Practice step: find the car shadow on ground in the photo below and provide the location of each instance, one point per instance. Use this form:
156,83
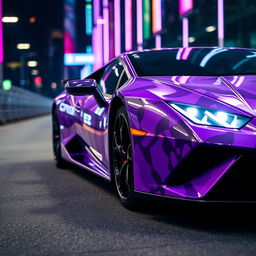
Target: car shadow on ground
235,218
201,216
67,188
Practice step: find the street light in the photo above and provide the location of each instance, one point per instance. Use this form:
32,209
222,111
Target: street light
23,57
34,72
10,19
23,46
32,63
210,28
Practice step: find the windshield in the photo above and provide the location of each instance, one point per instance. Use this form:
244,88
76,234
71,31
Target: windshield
195,62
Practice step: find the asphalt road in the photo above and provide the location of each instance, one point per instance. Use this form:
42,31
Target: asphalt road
49,211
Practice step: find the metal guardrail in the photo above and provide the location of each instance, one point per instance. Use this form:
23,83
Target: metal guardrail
18,103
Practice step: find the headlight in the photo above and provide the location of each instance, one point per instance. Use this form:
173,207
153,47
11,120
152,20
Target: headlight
207,116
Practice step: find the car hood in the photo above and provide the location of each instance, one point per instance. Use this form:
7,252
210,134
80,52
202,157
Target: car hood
238,92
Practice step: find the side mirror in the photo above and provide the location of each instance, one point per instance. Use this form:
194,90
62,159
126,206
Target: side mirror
85,87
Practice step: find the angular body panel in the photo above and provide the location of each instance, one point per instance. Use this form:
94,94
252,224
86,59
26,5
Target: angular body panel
175,153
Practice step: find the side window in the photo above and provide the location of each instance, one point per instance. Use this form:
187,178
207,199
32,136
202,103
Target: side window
110,77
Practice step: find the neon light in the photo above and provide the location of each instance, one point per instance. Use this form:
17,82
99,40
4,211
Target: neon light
69,27
185,31
7,85
77,59
117,27
157,21
97,35
157,16
106,31
146,19
128,25
88,19
185,6
221,23
158,41
1,34
111,30
139,25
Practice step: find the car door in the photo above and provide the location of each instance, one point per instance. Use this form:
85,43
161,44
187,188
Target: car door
94,119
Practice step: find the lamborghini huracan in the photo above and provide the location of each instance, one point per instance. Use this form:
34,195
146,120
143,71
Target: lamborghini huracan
177,123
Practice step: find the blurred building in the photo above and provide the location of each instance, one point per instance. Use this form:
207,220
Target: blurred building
33,46
71,38
109,27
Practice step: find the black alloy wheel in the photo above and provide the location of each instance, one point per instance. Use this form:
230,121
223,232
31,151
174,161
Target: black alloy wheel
56,141
122,159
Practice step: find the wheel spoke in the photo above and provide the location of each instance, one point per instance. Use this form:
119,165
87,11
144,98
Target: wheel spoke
121,126
122,156
122,174
118,137
127,180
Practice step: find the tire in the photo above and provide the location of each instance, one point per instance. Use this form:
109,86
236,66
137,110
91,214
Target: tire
122,160
56,141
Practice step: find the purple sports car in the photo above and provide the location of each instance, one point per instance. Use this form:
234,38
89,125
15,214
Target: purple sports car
177,123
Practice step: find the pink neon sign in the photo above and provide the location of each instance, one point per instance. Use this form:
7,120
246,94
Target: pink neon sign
185,6
106,31
117,27
128,25
1,35
97,36
157,16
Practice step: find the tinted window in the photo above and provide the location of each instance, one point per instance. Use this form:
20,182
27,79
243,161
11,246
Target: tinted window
123,79
195,61
110,77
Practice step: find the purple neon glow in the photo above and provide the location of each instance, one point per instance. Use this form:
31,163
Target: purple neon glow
185,6
117,27
157,16
221,23
97,35
158,41
106,31
1,34
139,25
69,27
185,31
128,25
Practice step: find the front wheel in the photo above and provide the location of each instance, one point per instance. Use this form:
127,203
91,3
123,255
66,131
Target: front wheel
122,159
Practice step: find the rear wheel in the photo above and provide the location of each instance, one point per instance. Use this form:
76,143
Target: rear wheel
122,159
56,141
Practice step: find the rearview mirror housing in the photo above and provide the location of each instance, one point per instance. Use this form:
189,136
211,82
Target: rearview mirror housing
85,87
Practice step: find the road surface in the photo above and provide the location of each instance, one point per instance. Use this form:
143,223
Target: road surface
49,211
